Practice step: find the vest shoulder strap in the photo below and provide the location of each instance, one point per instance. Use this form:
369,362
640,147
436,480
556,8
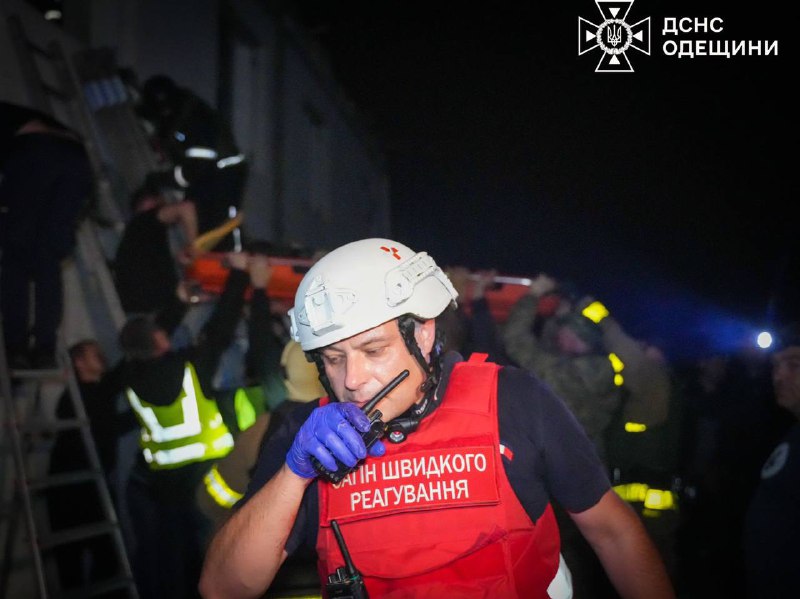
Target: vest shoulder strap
478,357
471,386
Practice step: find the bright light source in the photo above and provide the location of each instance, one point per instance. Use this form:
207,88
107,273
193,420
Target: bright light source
53,15
764,340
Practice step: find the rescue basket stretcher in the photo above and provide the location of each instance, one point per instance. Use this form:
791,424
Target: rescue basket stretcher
210,271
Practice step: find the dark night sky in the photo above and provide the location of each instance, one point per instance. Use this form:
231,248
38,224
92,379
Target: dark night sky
659,191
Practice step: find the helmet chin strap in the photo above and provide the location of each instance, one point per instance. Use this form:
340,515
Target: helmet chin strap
316,355
399,428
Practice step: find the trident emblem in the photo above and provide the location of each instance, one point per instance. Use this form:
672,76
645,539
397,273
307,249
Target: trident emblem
614,34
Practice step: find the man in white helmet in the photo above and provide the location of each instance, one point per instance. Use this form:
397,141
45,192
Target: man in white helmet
455,499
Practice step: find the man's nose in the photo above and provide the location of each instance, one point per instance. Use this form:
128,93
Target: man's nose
356,374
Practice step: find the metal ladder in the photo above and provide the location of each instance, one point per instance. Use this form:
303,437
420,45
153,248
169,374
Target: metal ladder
85,92
29,427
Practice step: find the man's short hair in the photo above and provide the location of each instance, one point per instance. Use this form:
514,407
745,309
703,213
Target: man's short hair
137,338
79,348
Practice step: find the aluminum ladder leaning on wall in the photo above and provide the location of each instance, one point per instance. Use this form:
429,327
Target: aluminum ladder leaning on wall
31,430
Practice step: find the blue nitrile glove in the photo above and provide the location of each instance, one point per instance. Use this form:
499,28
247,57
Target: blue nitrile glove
329,431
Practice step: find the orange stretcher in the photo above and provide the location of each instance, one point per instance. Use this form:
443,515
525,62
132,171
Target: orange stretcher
502,296
209,272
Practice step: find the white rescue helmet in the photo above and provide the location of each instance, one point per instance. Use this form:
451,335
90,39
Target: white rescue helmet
363,284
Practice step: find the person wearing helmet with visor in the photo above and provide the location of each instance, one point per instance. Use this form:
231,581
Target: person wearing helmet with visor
455,499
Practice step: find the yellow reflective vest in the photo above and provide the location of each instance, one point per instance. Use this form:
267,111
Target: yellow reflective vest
249,403
190,429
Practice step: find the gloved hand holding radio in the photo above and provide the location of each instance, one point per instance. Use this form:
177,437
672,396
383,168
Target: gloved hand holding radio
331,431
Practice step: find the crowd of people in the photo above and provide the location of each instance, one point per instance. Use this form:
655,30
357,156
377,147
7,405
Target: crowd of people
554,454
682,440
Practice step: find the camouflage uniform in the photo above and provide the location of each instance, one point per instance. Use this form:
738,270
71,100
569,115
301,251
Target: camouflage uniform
585,383
647,379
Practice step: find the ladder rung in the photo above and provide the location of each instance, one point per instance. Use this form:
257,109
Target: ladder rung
53,426
59,480
31,385
77,533
98,588
38,373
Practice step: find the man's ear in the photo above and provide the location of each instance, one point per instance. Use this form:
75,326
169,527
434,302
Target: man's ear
425,334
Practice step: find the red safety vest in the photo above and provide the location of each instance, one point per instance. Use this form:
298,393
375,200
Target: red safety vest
436,516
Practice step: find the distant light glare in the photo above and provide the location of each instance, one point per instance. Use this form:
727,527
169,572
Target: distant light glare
52,15
764,340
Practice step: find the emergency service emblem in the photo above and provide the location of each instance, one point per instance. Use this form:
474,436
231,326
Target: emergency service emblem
613,36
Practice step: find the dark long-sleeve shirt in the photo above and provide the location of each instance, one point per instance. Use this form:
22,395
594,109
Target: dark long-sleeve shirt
159,382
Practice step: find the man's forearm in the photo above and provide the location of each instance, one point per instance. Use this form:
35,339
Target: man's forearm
623,546
247,551
636,569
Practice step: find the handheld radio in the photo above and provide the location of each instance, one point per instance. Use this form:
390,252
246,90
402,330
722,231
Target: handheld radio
376,431
346,582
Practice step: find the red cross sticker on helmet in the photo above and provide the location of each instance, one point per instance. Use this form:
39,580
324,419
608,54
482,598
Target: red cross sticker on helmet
392,251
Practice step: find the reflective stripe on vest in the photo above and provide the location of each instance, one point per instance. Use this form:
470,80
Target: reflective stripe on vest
201,152
204,153
219,490
230,161
198,432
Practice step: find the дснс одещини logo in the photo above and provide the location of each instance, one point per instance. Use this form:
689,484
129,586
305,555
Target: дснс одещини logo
613,36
